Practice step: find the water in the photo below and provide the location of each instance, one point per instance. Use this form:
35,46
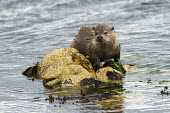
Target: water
29,29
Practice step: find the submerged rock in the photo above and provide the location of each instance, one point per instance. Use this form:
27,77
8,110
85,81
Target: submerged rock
67,67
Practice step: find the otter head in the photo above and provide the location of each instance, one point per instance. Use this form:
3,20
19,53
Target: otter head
104,33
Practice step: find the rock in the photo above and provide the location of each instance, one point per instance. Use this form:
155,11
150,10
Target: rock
107,74
129,67
32,71
62,58
67,67
116,66
69,75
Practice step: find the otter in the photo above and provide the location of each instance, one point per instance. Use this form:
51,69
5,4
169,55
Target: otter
98,42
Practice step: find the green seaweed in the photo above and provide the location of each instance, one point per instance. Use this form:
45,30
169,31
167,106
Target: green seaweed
155,71
128,91
115,65
164,91
149,81
114,92
164,81
159,86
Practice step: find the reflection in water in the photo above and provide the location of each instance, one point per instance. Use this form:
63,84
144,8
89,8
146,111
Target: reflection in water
91,98
114,104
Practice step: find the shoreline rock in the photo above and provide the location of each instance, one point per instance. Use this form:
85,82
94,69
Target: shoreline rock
67,67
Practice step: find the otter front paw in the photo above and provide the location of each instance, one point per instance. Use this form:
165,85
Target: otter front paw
118,60
96,67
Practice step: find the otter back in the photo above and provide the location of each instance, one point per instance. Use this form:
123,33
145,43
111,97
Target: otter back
82,38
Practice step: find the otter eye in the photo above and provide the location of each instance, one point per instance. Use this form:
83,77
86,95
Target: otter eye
105,32
96,33
93,28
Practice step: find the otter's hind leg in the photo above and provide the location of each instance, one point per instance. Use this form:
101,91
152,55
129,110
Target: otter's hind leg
117,58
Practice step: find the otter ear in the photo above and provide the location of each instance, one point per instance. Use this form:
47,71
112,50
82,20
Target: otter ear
93,28
112,28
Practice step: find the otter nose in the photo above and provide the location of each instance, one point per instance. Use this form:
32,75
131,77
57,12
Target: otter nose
99,38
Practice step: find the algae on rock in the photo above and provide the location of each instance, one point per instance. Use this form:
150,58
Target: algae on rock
67,67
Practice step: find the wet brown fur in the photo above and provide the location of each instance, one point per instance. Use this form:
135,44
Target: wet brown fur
86,42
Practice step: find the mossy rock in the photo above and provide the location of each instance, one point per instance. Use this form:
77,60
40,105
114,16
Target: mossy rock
62,58
70,75
115,65
67,67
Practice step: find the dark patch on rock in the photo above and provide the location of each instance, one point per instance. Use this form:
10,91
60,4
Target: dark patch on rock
31,71
114,75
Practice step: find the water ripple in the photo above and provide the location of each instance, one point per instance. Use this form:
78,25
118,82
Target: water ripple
32,28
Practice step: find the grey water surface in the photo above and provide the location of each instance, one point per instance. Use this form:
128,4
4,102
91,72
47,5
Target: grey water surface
29,29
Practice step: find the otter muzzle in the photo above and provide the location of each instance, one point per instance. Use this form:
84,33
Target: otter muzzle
99,38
